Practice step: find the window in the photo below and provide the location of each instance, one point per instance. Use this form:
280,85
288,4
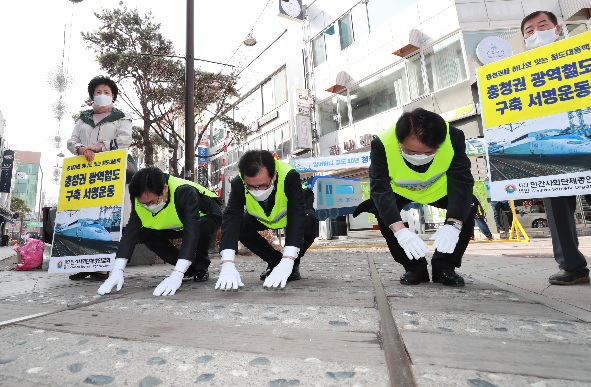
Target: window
382,11
359,18
319,50
274,91
346,31
333,113
444,63
268,97
415,77
329,121
280,81
250,109
387,91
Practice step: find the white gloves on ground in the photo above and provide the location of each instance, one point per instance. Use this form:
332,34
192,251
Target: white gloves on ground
229,277
446,238
170,285
278,277
413,245
115,278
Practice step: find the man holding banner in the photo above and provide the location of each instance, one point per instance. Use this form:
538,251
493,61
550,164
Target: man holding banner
165,208
540,28
422,159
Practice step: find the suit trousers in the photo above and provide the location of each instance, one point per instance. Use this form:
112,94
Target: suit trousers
439,261
560,212
159,242
255,242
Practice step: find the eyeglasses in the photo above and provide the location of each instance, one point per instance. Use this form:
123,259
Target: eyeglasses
258,187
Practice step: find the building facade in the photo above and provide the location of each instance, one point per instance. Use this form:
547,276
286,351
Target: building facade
362,63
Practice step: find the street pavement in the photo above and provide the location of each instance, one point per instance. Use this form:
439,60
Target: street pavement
507,327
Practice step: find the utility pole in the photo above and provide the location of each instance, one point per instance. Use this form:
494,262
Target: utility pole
189,95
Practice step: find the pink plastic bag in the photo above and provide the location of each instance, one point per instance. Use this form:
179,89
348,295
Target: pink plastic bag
32,254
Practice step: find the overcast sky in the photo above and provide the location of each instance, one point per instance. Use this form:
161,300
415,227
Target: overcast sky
32,36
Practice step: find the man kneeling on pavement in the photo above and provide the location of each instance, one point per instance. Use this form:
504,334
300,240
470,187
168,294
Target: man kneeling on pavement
422,159
164,208
272,193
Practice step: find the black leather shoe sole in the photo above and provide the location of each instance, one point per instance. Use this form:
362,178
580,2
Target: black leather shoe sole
448,278
79,276
266,273
201,276
414,277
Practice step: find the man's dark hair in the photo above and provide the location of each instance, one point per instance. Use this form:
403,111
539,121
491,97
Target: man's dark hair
428,127
102,80
150,179
550,15
253,161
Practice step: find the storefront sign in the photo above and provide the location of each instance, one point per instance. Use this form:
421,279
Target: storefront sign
365,140
6,174
349,145
493,48
303,132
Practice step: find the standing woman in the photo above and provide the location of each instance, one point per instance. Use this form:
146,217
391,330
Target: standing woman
100,129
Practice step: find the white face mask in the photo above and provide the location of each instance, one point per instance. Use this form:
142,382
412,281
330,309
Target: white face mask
418,159
155,208
103,100
261,195
541,38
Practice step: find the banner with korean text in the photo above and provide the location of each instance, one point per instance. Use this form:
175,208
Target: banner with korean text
536,110
88,219
331,163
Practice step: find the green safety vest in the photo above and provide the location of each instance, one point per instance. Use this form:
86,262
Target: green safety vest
278,216
168,218
426,187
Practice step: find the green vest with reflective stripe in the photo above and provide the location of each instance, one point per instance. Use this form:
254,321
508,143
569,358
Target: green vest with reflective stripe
425,187
278,216
168,218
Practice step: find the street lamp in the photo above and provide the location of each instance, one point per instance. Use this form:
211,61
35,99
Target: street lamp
189,94
40,193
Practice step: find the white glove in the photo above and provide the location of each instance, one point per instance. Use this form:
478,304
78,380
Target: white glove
413,245
115,278
446,238
170,285
229,277
278,277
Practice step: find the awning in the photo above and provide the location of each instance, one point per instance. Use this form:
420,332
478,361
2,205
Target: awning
341,83
406,44
4,218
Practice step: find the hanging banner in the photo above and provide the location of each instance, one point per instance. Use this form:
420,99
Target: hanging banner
89,211
331,163
6,173
537,118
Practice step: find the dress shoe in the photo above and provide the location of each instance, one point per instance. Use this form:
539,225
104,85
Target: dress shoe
448,278
97,276
414,277
266,273
201,275
564,277
295,274
79,276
